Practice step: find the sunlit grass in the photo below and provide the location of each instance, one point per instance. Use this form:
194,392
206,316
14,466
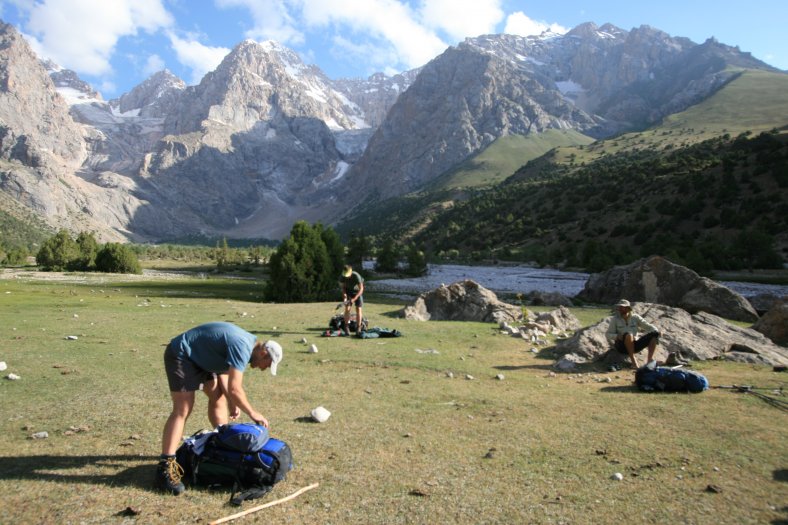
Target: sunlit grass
406,442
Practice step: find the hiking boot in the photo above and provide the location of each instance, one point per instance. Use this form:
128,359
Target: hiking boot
168,476
675,359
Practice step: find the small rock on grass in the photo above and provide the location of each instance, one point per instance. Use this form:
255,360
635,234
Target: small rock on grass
40,435
320,414
618,476
714,489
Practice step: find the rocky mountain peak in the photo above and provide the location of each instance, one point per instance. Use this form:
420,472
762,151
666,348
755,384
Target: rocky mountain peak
34,120
156,93
68,83
260,82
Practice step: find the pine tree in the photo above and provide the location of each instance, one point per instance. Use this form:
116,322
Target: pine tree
388,257
301,269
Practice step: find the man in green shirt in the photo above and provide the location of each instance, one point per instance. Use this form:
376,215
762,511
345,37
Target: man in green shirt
214,356
352,293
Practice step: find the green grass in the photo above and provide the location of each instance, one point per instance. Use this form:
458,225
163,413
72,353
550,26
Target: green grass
405,443
504,156
755,101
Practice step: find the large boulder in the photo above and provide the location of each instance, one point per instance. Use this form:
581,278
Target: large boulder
462,301
561,319
657,280
699,336
763,302
774,324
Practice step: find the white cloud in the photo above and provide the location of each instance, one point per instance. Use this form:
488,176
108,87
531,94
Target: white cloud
519,23
107,86
153,64
386,27
462,18
196,56
82,34
272,21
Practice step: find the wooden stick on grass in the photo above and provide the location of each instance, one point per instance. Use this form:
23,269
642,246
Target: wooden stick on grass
265,505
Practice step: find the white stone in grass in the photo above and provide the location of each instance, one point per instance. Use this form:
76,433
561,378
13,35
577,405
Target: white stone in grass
450,375
40,435
3,366
618,476
469,377
313,348
303,340
72,337
13,377
320,414
499,377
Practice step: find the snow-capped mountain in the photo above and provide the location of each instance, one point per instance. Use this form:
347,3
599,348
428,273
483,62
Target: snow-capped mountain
265,140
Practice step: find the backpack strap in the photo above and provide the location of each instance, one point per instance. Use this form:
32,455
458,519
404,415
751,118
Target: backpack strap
248,494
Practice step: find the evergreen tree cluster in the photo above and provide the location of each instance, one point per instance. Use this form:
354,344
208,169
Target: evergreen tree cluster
61,252
716,205
307,265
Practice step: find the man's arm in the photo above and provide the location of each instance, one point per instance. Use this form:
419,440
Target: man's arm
237,396
360,291
644,326
612,331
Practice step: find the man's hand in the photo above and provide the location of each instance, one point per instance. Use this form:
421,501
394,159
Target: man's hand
235,413
258,418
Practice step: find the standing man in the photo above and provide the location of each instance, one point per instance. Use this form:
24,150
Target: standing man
215,356
623,330
352,293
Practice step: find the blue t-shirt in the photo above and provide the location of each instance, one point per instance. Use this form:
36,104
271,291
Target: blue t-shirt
216,347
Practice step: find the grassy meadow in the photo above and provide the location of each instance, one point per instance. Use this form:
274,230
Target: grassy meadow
405,443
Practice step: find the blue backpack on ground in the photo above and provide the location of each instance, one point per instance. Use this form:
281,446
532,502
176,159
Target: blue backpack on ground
235,456
244,437
652,378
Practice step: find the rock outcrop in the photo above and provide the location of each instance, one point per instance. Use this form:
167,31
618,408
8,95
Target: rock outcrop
774,324
700,336
657,280
462,301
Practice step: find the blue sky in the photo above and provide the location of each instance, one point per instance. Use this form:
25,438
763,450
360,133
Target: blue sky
116,44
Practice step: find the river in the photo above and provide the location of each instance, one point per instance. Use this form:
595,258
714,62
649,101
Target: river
513,279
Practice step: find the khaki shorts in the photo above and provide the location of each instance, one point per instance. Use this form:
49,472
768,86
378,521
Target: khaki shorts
182,374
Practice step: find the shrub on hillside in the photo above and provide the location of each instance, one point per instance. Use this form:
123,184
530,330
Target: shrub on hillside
117,258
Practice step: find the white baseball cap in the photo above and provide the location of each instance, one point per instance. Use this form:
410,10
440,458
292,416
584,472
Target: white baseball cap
274,350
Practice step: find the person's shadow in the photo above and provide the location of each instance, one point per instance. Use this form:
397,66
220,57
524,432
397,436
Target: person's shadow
125,469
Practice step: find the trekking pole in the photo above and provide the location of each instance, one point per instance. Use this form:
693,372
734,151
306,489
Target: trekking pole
749,389
265,505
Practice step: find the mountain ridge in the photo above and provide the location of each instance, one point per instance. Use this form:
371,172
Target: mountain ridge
265,140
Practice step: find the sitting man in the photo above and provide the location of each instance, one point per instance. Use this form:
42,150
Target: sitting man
623,330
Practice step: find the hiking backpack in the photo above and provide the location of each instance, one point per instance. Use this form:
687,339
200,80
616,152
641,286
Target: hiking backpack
240,456
337,322
665,379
